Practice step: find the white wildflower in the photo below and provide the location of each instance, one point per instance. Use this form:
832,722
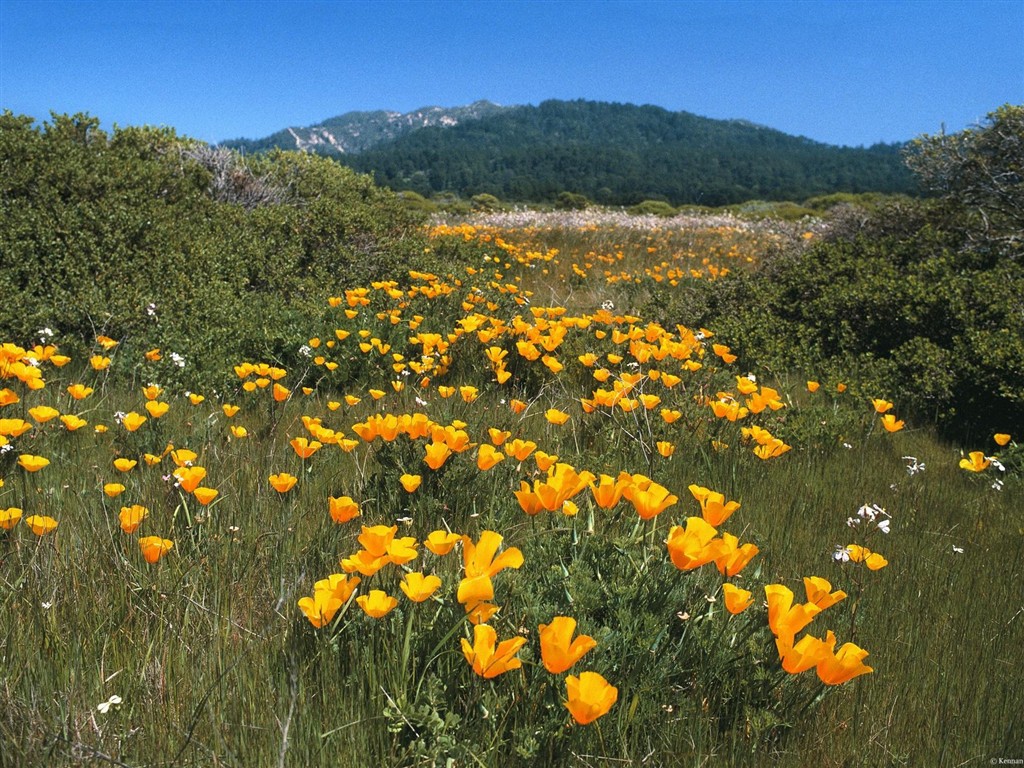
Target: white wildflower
104,707
913,465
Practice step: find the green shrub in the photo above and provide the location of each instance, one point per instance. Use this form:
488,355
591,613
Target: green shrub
144,234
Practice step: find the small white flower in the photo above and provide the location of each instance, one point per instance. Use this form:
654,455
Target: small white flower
958,550
305,350
841,555
177,359
913,465
104,707
996,463
883,525
46,605
119,416
847,446
421,402
151,310
997,485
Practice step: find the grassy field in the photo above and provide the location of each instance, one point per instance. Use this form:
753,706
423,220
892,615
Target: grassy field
204,656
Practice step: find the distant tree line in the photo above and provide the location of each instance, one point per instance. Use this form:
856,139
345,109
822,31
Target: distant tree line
622,154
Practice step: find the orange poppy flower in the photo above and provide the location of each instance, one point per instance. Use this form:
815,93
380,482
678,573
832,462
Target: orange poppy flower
283,482
154,547
589,697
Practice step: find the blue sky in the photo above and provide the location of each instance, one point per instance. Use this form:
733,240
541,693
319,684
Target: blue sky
852,72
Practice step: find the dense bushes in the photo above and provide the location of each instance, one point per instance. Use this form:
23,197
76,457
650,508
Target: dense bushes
141,233
918,302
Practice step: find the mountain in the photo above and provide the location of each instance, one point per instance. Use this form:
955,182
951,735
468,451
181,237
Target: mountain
358,131
614,154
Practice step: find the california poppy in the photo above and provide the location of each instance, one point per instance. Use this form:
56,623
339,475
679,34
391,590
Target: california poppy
557,648
589,696
343,508
488,657
418,587
736,600
131,517
283,482
154,547
377,604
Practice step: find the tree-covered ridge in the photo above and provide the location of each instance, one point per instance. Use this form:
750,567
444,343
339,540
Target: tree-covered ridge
620,154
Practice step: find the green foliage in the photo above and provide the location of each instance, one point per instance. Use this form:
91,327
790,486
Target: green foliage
622,154
979,175
486,203
570,201
652,207
143,234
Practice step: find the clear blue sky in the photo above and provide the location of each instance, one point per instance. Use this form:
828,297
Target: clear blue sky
851,72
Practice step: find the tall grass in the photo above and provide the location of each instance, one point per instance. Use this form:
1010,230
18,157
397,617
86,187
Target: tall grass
214,663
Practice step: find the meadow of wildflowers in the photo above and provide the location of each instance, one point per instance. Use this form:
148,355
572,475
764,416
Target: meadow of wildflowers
497,517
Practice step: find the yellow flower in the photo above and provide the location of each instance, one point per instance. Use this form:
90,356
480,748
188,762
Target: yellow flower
691,548
819,592
589,696
441,542
153,355
205,495
377,604
802,656
557,652
31,463
229,410
608,490
812,386
784,618
9,517
343,509
73,422
891,424
131,517
328,596
713,506
488,456
239,431
113,489
736,600
437,455
1001,438
410,482
881,406
304,448
665,448
154,547
651,500
156,409
977,462
99,362
838,667
40,524
43,413
152,392
132,421
14,427
556,416
418,587
106,342
10,397
189,478
283,482
487,660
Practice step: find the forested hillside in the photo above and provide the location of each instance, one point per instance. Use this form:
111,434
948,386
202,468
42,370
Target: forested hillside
621,154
